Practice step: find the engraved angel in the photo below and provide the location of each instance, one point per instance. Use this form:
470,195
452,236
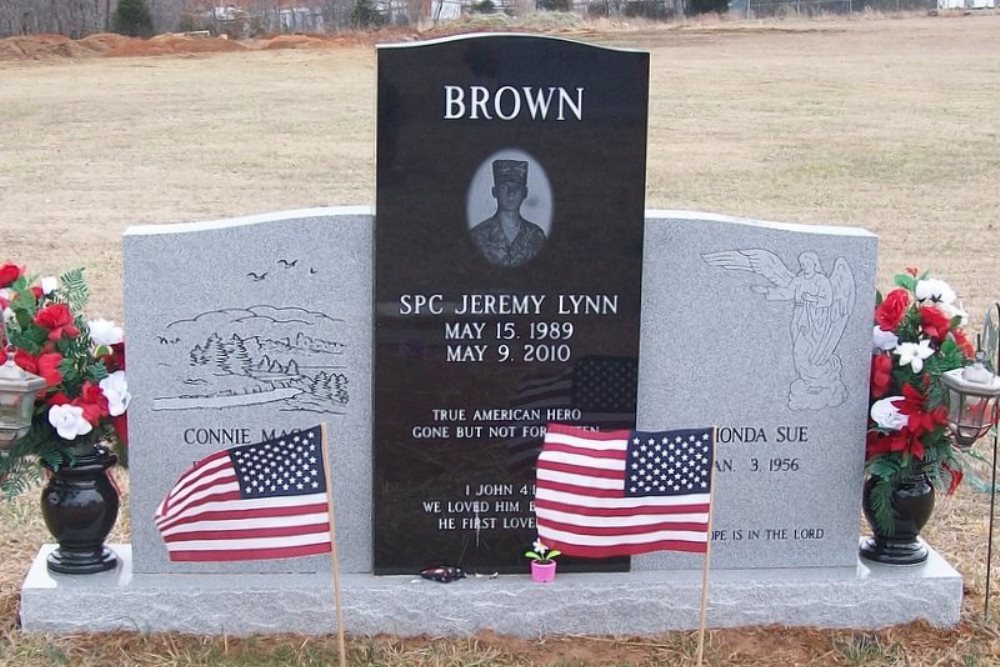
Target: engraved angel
822,305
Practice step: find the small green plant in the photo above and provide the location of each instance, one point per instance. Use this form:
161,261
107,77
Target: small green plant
483,7
133,18
365,15
542,553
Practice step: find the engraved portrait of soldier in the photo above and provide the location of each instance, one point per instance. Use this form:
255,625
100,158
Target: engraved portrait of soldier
507,238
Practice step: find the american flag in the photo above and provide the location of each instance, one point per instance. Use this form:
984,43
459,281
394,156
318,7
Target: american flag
602,388
259,501
623,493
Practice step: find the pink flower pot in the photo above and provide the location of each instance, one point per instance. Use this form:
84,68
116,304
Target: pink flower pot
543,572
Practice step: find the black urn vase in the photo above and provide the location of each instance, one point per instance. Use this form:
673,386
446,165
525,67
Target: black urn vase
912,504
80,507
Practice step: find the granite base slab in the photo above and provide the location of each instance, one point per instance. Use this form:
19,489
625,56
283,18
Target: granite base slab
868,596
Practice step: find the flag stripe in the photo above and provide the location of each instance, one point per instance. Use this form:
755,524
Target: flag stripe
609,501
275,531
645,530
252,542
587,482
543,502
646,518
217,480
613,472
626,549
197,470
230,521
232,505
575,538
582,456
171,514
216,555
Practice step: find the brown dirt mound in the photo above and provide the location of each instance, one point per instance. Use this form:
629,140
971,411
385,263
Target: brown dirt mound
297,42
38,47
165,45
103,42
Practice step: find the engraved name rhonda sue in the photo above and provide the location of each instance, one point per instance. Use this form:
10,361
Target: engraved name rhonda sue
822,303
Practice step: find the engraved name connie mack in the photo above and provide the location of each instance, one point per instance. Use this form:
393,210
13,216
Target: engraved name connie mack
510,102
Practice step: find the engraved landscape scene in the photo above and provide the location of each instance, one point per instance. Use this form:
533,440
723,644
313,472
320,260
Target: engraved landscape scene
223,360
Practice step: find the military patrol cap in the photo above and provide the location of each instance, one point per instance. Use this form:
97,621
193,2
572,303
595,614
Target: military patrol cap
510,171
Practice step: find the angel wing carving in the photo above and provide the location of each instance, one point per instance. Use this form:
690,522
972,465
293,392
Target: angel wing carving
762,262
822,306
842,283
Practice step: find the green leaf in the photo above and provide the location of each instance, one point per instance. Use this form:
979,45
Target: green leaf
878,298
97,372
906,281
532,555
552,554
75,289
880,498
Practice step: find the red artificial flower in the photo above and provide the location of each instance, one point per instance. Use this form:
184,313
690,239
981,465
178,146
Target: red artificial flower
45,365
58,398
890,312
93,402
934,323
115,360
912,270
26,361
881,378
120,424
964,344
48,367
58,319
9,273
920,421
897,442
956,477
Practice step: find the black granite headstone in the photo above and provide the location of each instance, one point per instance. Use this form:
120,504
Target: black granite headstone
508,259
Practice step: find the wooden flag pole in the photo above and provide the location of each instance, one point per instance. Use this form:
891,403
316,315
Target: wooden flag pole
708,552
333,548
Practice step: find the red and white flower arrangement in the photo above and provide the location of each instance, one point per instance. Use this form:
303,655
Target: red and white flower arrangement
82,362
917,337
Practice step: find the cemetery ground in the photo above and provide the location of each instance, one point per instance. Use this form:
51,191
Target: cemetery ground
889,124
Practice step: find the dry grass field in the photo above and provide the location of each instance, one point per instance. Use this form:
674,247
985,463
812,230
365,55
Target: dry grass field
892,124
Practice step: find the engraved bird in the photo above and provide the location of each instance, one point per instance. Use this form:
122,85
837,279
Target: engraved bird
288,264
313,271
257,277
163,341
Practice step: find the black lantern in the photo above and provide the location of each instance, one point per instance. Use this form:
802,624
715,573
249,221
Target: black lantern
17,401
973,392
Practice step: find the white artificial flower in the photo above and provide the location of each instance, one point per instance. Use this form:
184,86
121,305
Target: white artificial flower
115,389
913,355
540,548
104,332
68,421
8,315
936,290
49,284
6,293
887,415
884,340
